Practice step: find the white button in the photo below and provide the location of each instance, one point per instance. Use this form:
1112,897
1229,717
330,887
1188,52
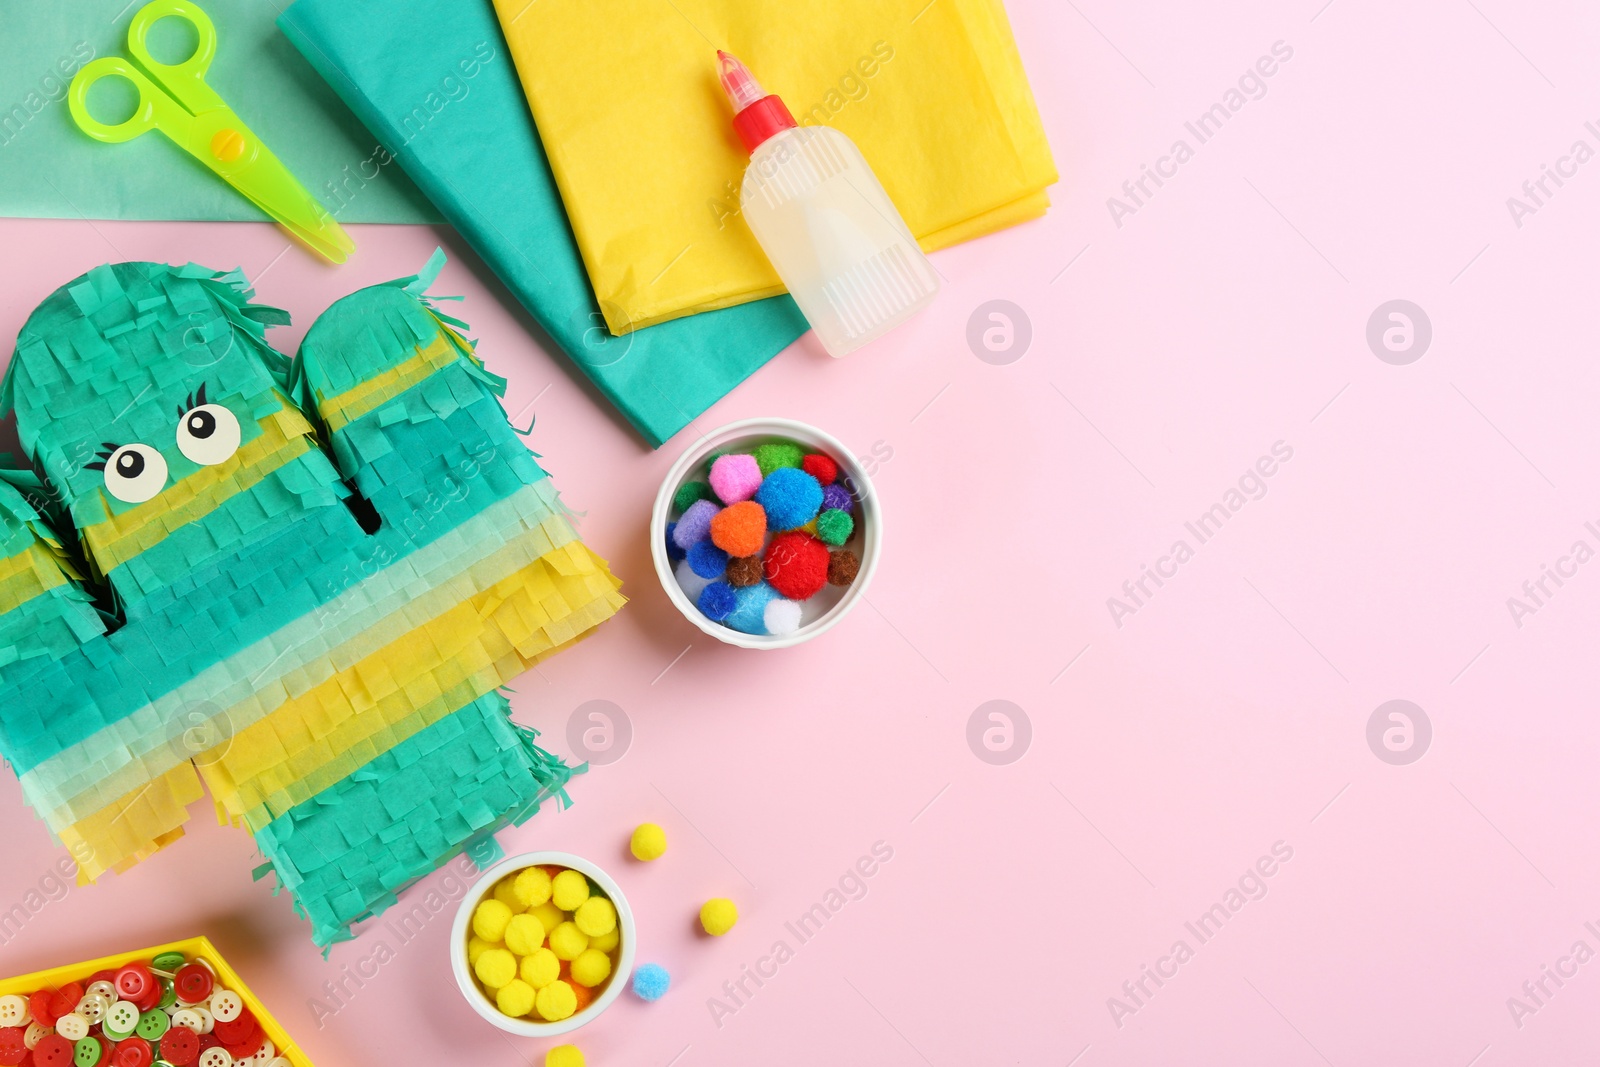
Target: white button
73,1027
208,1021
35,1034
121,1018
226,1005
93,1007
216,1056
189,1019
14,1011
105,989
266,1053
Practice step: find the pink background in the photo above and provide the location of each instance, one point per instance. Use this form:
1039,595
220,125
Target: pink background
1227,714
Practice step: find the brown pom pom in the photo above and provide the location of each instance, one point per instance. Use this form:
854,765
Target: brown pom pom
842,567
744,570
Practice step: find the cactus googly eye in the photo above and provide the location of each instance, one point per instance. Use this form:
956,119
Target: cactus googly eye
133,473
208,434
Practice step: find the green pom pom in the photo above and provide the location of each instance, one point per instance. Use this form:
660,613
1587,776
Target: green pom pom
834,526
770,457
689,492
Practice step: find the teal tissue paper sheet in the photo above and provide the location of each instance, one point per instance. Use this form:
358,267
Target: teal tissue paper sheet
53,170
435,83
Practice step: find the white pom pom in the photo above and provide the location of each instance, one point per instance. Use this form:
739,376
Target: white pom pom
690,582
781,616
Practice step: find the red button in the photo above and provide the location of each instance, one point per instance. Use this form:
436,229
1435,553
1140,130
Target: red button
53,1050
102,976
151,998
132,1052
64,1001
39,1007
134,982
12,1046
180,1047
194,983
246,1049
238,1030
209,1041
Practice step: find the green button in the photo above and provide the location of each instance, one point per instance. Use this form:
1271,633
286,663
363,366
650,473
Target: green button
86,1053
152,1024
169,962
169,994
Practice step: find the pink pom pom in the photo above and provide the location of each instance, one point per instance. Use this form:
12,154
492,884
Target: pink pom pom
735,478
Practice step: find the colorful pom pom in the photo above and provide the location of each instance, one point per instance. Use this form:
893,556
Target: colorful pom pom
843,567
569,889
791,498
674,553
649,842
740,529
591,967
515,998
820,467
707,560
524,933
782,616
749,614
743,571
776,455
694,525
688,493
834,527
717,601
539,968
690,582
606,942
556,1001
549,915
533,886
651,981
718,915
490,919
564,1056
567,941
594,917
796,564
495,967
735,478
837,496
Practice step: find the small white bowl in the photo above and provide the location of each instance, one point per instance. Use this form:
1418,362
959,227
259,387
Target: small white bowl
460,931
823,611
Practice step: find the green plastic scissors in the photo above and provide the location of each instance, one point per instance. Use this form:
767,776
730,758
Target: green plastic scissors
175,99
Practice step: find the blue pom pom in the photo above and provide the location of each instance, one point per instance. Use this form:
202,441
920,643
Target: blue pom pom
790,497
749,616
674,553
717,601
707,560
650,982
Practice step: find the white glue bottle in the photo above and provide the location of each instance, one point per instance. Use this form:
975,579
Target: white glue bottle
824,221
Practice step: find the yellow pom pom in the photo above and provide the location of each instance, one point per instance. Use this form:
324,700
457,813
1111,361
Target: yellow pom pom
606,942
591,967
649,841
505,891
718,915
564,1056
532,887
495,967
569,889
549,916
515,998
524,933
489,920
556,1001
540,967
567,941
595,916
477,946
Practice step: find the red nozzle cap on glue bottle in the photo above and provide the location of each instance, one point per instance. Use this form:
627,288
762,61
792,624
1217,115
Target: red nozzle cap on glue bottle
757,115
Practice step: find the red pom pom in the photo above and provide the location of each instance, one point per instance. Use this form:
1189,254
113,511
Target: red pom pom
796,564
820,467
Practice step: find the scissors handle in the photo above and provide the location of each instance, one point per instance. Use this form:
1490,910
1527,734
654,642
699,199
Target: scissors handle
154,108
185,79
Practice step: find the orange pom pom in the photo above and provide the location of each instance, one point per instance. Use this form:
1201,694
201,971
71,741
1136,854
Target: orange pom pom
739,529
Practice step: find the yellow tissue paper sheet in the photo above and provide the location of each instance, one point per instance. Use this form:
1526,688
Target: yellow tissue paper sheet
640,134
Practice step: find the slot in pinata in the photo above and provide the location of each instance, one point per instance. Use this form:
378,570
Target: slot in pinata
303,582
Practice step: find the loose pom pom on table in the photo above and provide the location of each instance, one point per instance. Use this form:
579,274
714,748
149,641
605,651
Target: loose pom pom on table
694,525
743,571
749,614
651,981
735,478
837,496
688,493
820,467
796,564
782,616
843,567
717,601
690,582
791,498
718,915
834,527
707,560
649,842
564,1056
740,529
778,454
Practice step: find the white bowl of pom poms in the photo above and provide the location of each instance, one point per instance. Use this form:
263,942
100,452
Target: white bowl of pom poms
765,533
550,939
